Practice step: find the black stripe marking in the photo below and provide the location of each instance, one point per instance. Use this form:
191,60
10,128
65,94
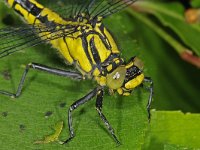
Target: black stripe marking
35,11
95,52
31,8
68,48
85,47
19,13
102,28
103,38
14,3
132,73
105,41
43,19
115,65
110,59
27,5
13,6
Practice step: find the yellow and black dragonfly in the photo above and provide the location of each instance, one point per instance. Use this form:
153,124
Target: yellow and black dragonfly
82,40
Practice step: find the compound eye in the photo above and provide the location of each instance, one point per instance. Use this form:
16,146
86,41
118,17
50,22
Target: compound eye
116,79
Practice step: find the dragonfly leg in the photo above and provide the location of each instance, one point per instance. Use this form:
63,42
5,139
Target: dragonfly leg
41,67
99,104
150,88
74,106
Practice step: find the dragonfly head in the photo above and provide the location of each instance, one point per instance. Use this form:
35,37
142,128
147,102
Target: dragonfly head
126,77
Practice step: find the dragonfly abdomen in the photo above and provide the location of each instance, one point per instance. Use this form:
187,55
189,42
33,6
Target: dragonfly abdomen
33,12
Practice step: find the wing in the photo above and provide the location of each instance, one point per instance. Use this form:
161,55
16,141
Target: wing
94,8
15,39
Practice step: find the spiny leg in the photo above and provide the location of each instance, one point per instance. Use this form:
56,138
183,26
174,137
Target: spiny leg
150,88
75,105
99,104
40,67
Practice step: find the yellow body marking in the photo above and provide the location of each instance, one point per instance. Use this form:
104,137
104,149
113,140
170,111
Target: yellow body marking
77,52
96,72
135,82
120,91
102,50
101,80
129,65
126,94
61,46
72,48
109,68
10,2
36,3
27,16
89,37
112,42
53,16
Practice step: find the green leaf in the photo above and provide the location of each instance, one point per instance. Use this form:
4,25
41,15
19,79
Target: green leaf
176,147
174,128
28,118
195,3
53,137
172,15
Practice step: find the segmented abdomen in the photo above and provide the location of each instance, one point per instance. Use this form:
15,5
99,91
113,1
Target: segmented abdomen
33,12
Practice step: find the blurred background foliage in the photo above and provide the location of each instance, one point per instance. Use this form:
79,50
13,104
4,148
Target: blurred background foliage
165,34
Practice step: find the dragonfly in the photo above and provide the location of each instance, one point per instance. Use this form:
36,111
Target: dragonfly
80,37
